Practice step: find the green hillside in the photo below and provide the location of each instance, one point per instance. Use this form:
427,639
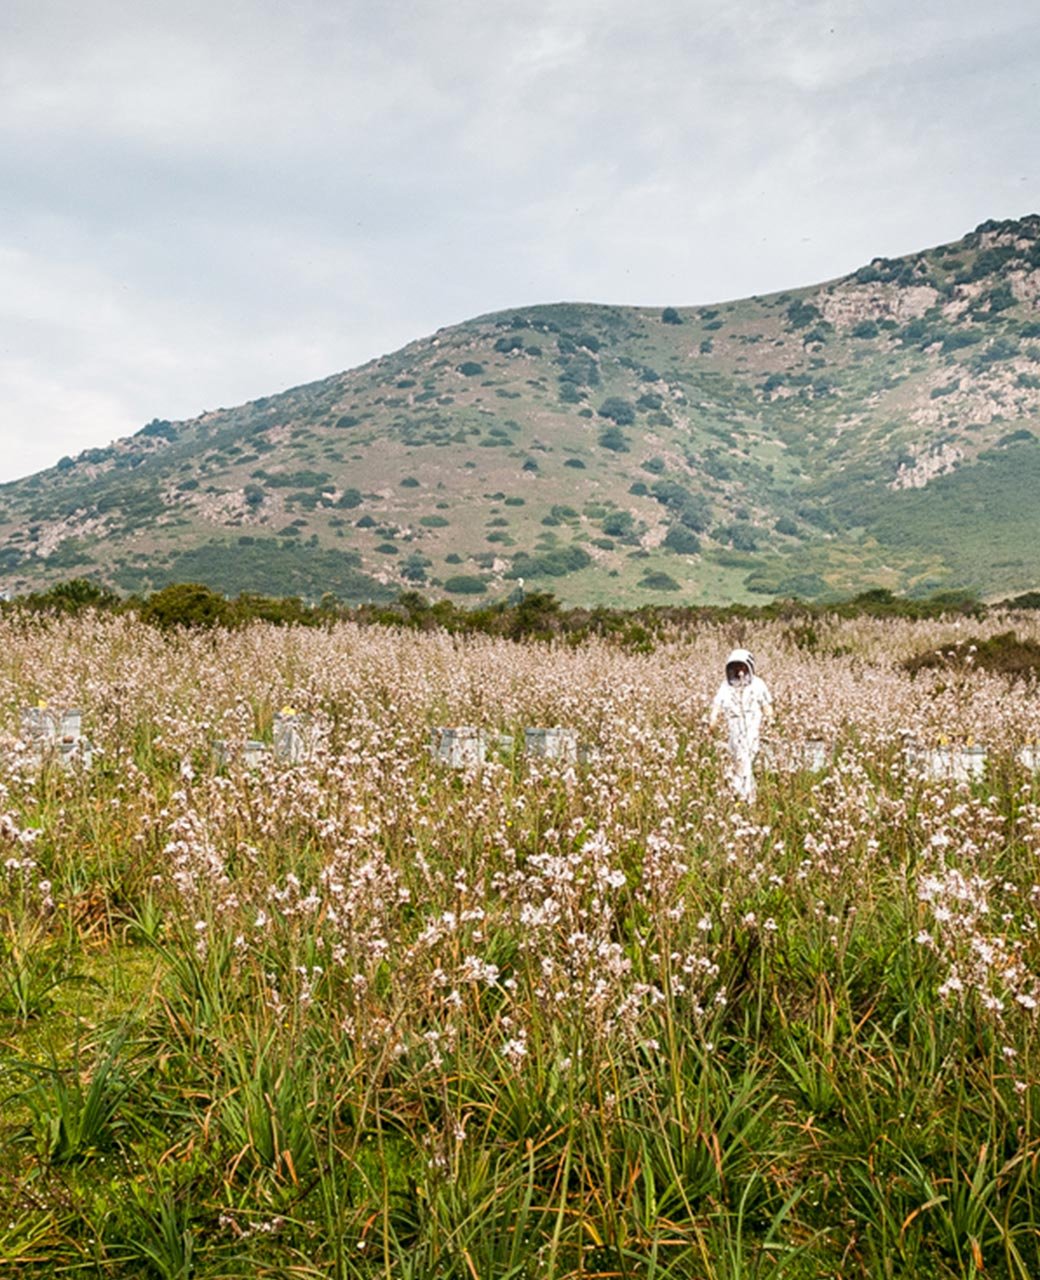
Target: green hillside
877,430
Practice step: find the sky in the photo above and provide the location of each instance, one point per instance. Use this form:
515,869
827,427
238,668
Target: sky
207,201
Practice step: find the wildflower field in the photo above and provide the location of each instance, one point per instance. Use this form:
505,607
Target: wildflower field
365,1015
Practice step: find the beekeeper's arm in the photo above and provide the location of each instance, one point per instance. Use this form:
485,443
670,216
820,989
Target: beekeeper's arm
716,710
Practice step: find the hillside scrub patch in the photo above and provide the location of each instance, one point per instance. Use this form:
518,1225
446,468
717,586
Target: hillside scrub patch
465,584
619,410
801,315
656,580
615,440
681,540
551,563
739,534
619,524
293,479
1003,654
692,510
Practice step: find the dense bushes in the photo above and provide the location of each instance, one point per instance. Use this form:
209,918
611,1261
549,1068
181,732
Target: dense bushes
1004,654
691,509
552,564
614,439
682,540
801,315
195,605
465,584
619,410
74,596
187,604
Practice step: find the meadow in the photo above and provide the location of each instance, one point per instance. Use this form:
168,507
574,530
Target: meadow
364,1015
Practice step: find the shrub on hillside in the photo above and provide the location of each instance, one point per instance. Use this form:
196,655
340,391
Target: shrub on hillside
186,604
554,563
614,439
619,410
682,541
618,524
160,429
740,535
657,581
801,315
692,509
465,584
414,568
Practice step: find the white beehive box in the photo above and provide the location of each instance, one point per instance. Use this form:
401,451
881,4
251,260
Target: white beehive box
48,726
458,746
252,753
294,737
55,733
552,744
810,756
1029,757
947,763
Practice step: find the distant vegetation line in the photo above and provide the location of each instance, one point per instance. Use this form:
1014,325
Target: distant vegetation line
535,615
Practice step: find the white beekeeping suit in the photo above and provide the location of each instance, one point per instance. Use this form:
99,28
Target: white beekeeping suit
745,702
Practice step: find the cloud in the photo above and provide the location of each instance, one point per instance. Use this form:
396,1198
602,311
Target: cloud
205,203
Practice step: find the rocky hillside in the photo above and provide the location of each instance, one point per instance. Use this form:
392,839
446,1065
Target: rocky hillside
877,430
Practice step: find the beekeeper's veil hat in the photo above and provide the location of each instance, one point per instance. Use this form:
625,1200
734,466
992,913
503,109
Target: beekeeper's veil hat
737,659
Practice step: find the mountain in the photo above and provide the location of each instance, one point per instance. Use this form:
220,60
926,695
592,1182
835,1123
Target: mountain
877,430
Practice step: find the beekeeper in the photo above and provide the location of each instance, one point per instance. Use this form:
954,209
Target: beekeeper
745,702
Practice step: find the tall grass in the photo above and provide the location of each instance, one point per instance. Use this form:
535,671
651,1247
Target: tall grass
364,1016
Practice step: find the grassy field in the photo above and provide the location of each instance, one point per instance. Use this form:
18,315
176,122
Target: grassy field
363,1015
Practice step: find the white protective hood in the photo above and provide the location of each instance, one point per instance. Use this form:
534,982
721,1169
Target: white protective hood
744,656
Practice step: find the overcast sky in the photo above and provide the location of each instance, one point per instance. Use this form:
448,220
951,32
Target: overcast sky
206,201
